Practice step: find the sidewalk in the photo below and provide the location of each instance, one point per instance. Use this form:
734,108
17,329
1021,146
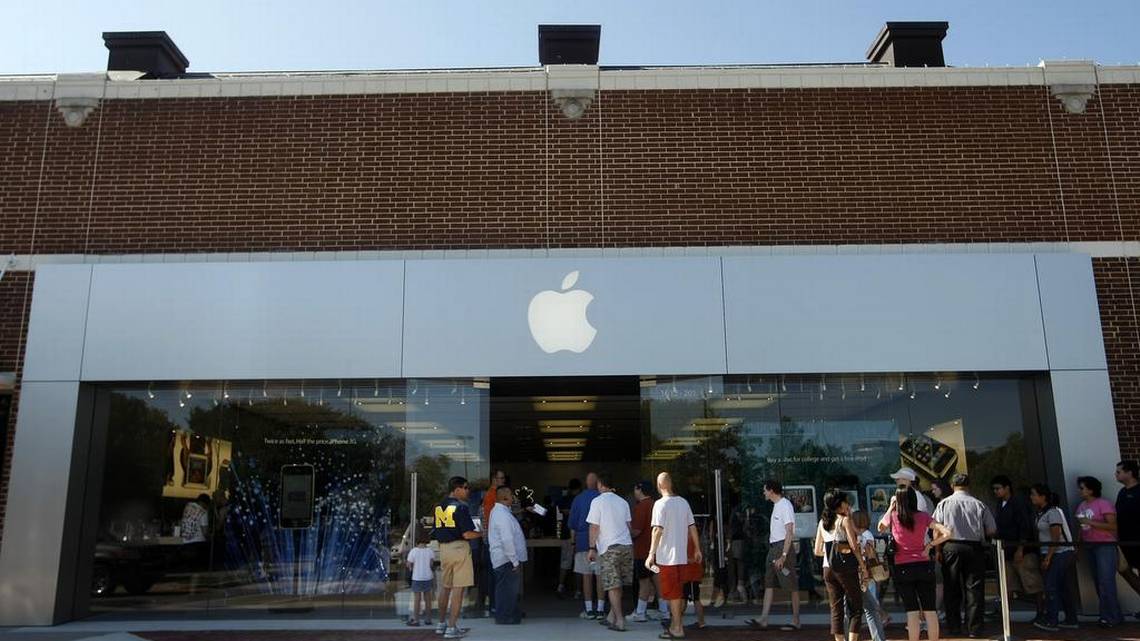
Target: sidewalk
547,629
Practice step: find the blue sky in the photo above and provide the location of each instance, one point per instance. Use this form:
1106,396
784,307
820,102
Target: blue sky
255,35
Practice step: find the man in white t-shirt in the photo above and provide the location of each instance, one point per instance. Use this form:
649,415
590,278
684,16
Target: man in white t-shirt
673,529
610,542
908,477
780,571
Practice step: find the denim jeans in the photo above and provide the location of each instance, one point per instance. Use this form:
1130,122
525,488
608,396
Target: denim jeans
871,612
507,594
1103,558
1057,594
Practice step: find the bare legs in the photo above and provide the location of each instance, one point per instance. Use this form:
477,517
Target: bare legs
913,620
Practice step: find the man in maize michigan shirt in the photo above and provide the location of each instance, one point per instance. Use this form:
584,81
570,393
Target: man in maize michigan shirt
453,529
673,528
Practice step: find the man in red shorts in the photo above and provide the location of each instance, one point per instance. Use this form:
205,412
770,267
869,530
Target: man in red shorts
673,530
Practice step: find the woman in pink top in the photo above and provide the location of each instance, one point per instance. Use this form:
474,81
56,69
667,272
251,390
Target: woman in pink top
1098,526
914,572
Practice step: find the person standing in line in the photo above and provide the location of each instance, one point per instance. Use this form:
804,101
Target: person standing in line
873,611
419,562
914,571
939,490
1098,526
964,555
580,533
846,567
641,530
1014,519
906,476
484,574
692,576
1128,521
612,547
780,569
454,529
507,546
674,528
1057,561
566,547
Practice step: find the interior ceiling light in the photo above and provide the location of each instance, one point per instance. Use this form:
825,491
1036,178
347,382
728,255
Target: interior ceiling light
685,441
744,402
381,406
443,443
551,443
416,427
565,426
564,456
711,424
565,403
664,455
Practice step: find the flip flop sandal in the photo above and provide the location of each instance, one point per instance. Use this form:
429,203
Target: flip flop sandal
790,628
615,628
668,635
755,623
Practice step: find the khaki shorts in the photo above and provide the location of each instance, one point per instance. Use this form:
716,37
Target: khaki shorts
455,564
1026,576
785,579
616,566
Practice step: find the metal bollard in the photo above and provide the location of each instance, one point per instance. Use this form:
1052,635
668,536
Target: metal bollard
1003,592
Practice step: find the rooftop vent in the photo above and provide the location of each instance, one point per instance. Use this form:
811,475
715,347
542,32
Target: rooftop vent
152,52
910,44
568,44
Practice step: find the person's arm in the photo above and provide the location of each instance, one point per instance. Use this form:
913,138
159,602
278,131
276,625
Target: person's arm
885,522
1107,525
789,534
941,535
818,547
1055,535
695,537
593,554
988,522
654,540
853,537
508,535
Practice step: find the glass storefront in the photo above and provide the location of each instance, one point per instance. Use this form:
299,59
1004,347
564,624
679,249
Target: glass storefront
201,482
816,432
195,509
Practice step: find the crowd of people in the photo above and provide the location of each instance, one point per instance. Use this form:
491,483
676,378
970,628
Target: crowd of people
936,555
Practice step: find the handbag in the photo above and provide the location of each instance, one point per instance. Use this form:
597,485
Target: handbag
878,570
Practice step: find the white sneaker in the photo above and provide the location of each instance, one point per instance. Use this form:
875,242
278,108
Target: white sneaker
639,617
454,633
587,614
441,628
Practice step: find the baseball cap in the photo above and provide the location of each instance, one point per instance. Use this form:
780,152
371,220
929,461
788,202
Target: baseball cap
645,486
905,473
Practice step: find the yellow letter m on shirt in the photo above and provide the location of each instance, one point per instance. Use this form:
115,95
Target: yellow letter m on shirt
445,517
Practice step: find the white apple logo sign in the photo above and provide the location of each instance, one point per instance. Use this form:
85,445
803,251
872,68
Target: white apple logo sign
558,320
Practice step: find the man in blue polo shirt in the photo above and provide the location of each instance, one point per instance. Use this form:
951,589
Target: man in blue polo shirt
580,533
453,530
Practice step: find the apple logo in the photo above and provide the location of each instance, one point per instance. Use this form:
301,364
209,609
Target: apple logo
558,320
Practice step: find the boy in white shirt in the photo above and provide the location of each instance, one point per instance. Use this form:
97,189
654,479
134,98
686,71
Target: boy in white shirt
419,563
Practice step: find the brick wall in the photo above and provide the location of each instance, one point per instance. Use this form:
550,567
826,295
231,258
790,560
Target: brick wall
641,168
1122,343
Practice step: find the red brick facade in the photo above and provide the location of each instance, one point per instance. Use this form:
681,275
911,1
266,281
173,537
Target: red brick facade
641,168
1122,343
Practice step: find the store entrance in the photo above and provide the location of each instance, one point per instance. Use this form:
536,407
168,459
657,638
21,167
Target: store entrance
544,434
